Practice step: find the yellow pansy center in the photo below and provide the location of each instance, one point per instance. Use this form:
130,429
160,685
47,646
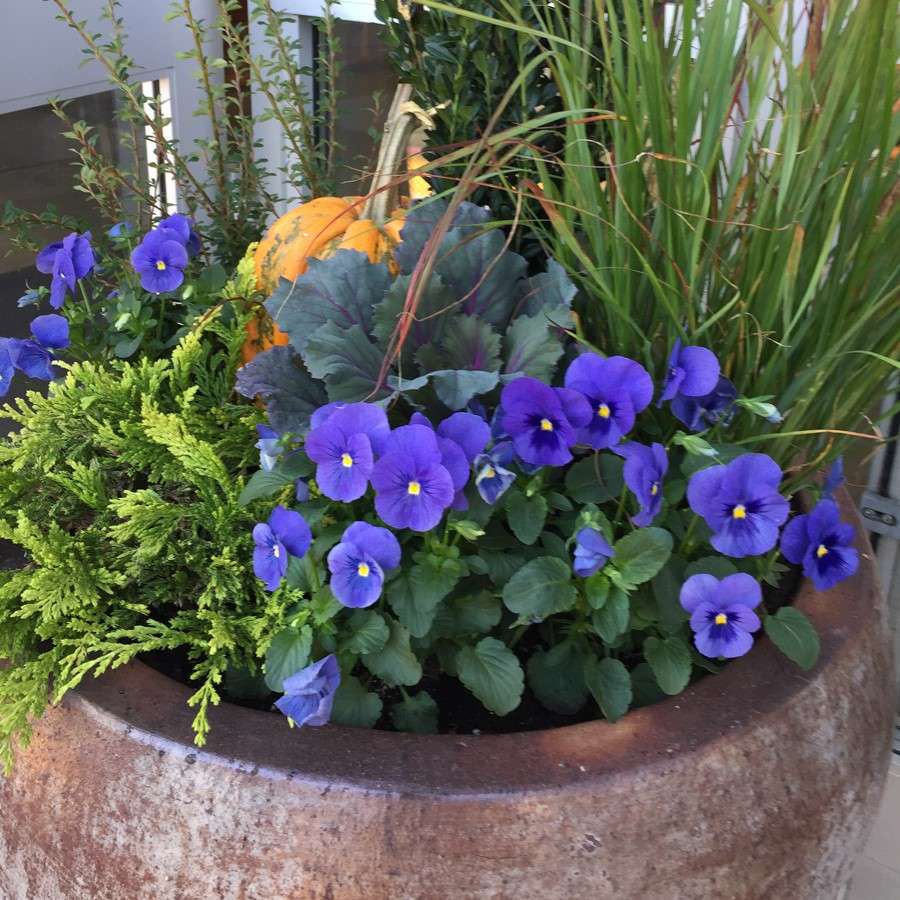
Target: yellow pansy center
721,619
276,551
489,472
821,550
740,511
160,265
603,411
546,425
363,570
414,488
654,489
346,460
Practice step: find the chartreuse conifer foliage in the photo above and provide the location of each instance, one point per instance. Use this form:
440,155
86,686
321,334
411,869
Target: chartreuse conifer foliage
120,487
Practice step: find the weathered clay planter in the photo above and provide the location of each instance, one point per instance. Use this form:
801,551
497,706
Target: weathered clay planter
758,783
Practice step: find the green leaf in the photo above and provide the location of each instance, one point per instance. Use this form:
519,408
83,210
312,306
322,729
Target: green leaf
555,677
367,632
595,479
347,361
415,597
354,705
471,344
596,589
794,635
526,515
324,605
395,663
287,654
418,714
667,592
278,377
641,554
532,348
710,565
670,660
456,387
341,290
610,685
435,309
611,619
501,565
285,472
645,686
540,588
491,671
476,614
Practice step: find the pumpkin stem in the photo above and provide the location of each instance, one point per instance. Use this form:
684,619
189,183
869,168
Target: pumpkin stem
384,197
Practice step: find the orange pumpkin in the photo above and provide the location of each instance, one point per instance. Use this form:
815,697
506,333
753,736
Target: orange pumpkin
320,227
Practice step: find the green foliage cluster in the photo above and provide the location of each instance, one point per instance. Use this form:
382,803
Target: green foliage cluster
122,485
741,195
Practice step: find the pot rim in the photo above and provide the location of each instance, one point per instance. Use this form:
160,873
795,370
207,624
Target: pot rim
151,708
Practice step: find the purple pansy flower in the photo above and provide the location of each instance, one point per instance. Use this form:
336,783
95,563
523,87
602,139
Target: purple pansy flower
834,478
358,563
301,490
492,478
309,693
542,421
592,552
68,261
160,261
823,544
645,468
722,615
7,368
51,331
33,356
181,228
285,533
700,413
741,504
412,487
269,447
617,388
460,437
691,372
345,446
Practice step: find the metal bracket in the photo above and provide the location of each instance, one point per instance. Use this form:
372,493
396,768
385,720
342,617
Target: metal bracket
881,514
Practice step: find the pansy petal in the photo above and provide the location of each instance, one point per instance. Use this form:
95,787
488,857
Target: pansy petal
575,407
795,539
291,529
471,432
698,589
742,589
704,494
701,371
743,617
356,578
47,257
269,565
52,331
379,543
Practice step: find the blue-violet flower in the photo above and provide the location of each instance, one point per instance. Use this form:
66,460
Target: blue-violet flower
68,261
592,552
309,693
492,477
617,389
412,487
285,533
700,413
645,468
740,503
542,421
691,372
358,563
823,544
160,260
722,615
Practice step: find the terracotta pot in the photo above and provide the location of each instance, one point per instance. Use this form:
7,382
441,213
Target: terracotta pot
758,783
